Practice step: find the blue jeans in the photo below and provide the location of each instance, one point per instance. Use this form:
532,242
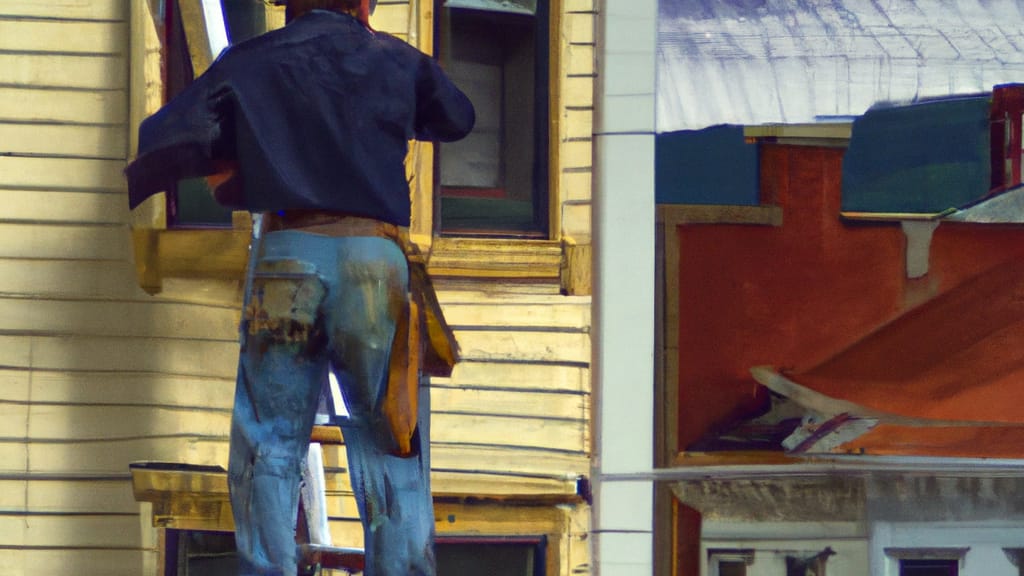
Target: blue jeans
317,302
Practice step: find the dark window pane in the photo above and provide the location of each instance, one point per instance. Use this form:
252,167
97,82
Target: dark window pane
732,568
495,180
492,559
929,567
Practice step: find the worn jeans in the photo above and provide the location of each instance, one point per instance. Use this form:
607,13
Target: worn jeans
320,303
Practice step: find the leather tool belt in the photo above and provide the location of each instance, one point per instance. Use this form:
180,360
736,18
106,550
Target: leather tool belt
423,344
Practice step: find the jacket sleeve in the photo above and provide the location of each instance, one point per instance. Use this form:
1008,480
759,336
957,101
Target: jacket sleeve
181,140
443,112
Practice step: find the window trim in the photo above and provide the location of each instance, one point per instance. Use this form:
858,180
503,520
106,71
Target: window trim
159,251
545,164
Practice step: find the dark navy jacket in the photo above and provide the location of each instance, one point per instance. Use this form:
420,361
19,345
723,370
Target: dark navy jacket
317,115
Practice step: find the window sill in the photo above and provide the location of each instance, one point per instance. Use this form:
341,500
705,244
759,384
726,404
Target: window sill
221,254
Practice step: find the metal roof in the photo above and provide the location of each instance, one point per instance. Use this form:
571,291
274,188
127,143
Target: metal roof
787,61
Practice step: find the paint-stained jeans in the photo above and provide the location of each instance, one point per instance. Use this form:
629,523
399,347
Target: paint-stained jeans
320,301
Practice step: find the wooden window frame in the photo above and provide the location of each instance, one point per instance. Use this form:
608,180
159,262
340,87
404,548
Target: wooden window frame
220,254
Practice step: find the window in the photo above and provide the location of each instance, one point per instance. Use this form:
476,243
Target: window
729,562
929,567
195,31
926,561
508,556
495,181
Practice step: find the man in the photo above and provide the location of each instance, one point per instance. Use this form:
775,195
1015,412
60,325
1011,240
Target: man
311,124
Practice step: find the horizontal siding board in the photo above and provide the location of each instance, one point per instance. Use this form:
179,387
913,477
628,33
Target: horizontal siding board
14,562
77,9
577,186
72,106
109,142
67,496
580,27
83,278
485,375
498,485
562,435
515,346
13,420
105,531
578,91
84,423
575,317
505,403
67,241
114,456
153,319
60,174
64,71
579,59
63,36
15,385
579,123
515,461
122,388
80,496
95,353
67,207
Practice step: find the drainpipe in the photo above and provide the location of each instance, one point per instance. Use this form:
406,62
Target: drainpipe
623,341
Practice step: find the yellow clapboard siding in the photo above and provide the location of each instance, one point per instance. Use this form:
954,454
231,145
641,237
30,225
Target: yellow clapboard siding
56,422
527,376
153,319
78,496
391,18
579,27
498,485
577,186
63,71
15,385
465,460
346,532
63,36
95,562
20,172
577,153
75,106
579,59
121,388
512,460
13,420
67,496
475,483
565,435
109,142
114,456
64,241
76,531
570,6
567,316
77,9
83,278
579,123
69,207
164,355
520,346
503,403
578,91
576,221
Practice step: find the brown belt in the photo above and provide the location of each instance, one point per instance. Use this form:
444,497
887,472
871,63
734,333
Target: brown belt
329,223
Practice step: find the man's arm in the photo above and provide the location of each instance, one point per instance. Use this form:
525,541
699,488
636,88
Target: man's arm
443,112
